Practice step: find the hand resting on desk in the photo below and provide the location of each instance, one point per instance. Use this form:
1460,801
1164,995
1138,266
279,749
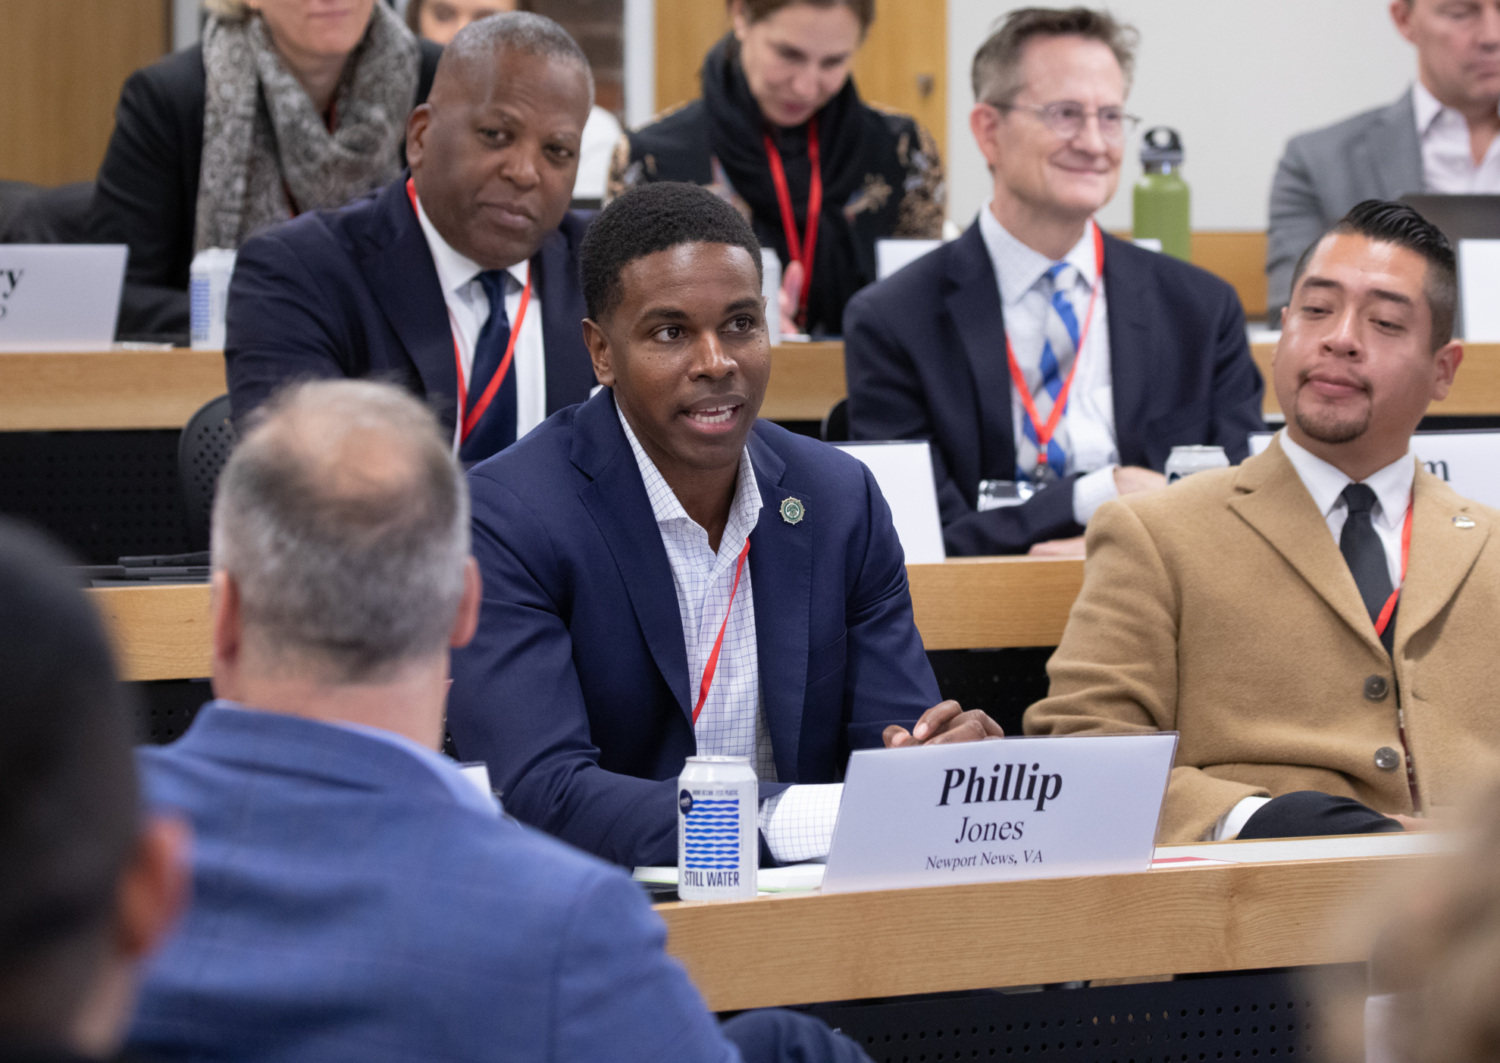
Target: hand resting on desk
944,722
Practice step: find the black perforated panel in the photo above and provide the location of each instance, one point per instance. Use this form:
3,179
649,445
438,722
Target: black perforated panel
1001,682
167,707
1263,1017
207,439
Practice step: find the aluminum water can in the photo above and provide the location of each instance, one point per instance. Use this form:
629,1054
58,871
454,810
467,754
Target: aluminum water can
1184,461
208,296
718,841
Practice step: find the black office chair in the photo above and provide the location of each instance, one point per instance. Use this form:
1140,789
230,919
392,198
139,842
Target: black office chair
202,450
836,425
51,216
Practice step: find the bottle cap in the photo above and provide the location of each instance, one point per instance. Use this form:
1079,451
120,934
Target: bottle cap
1161,145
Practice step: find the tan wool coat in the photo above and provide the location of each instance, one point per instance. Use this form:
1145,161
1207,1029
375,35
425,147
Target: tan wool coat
1221,608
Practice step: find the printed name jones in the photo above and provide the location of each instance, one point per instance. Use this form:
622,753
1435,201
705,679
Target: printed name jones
1006,783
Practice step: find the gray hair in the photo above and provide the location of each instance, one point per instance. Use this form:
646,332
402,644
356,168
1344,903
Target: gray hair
517,31
344,519
996,73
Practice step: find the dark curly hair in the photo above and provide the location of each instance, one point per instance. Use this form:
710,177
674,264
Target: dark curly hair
650,218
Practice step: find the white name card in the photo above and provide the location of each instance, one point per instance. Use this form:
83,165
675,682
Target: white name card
60,296
1008,809
1478,283
1467,461
893,255
903,472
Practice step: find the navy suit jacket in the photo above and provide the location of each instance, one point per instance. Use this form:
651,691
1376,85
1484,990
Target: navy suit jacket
576,688
924,352
353,292
347,907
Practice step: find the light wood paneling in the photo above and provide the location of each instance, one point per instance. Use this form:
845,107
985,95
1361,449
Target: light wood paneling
62,63
1240,259
806,380
778,951
158,632
685,31
106,389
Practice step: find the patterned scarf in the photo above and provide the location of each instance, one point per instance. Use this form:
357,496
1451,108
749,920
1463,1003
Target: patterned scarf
263,140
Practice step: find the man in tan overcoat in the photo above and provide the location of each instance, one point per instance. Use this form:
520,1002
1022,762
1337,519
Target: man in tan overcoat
1270,613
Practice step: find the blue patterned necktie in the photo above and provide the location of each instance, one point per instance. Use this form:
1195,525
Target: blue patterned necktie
496,430
1059,351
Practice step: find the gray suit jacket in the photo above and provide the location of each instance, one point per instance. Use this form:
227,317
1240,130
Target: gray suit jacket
1374,155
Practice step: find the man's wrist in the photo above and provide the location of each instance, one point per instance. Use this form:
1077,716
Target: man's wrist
1092,490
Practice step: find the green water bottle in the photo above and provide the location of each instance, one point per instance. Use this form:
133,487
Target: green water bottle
1162,200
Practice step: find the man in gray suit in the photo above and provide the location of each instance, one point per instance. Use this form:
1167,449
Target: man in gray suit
1442,135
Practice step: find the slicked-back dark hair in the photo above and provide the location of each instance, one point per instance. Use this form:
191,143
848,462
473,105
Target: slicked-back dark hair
69,810
650,218
996,71
1390,222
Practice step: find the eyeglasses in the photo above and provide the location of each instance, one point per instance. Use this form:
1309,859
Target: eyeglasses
1066,119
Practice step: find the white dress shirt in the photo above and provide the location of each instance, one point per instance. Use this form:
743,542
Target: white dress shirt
1392,486
798,822
469,309
1089,421
1447,156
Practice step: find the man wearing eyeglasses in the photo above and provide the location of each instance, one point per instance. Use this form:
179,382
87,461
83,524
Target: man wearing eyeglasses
1051,366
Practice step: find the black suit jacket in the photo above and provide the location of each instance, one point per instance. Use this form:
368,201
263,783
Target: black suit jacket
146,193
924,351
353,292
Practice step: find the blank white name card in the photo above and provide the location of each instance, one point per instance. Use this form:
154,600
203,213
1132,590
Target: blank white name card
1008,809
1479,290
903,472
894,255
60,297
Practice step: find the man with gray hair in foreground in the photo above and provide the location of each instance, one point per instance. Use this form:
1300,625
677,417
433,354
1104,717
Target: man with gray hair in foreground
358,897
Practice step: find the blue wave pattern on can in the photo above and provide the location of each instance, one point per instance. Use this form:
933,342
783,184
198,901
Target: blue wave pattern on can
713,834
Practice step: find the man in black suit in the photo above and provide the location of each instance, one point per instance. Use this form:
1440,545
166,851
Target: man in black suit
1119,353
460,282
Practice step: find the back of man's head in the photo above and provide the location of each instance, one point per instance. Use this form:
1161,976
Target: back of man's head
343,520
69,811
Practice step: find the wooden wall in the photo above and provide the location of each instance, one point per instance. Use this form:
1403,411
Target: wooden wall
62,63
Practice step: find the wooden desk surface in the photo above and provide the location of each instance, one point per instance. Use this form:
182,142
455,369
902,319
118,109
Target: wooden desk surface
1223,917
974,603
63,391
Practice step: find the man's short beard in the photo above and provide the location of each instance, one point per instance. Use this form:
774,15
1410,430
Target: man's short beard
1331,430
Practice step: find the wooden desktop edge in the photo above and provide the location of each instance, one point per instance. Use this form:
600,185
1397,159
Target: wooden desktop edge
799,949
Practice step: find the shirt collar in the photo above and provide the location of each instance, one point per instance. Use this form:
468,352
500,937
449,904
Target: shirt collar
456,270
744,510
1019,267
1392,485
1426,106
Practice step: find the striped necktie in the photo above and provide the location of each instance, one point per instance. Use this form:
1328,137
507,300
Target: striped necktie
1045,379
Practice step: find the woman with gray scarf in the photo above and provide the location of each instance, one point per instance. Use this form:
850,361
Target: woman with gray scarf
285,106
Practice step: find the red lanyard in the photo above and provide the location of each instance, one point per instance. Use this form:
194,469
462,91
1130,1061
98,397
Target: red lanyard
1044,431
471,417
801,250
713,658
1383,621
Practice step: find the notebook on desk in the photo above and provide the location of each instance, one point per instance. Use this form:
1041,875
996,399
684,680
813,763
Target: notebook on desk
60,297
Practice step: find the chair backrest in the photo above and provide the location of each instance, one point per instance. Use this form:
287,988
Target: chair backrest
52,216
836,425
202,450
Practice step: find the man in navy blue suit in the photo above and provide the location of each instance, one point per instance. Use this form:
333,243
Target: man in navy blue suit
1052,367
460,282
664,576
358,896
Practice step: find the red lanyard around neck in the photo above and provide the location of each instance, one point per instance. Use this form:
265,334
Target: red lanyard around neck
472,417
1044,432
1383,621
713,658
801,249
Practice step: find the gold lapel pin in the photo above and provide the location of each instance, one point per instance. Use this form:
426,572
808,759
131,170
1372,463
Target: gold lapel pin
792,511
1462,521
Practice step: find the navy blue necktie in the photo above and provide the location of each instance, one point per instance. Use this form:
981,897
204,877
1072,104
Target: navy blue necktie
1363,550
496,430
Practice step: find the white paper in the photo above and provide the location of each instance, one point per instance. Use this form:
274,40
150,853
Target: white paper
1479,290
903,471
1467,461
892,255
1014,808
60,297
770,288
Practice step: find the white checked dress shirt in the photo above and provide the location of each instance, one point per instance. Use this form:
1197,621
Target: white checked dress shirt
1089,421
798,822
469,309
1392,486
1447,158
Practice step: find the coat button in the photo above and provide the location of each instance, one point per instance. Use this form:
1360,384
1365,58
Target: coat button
1387,759
1376,687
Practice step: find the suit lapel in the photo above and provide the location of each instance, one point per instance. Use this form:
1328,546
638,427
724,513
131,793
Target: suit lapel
1442,553
616,499
973,303
1278,507
570,374
781,578
1392,152
1131,305
396,264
